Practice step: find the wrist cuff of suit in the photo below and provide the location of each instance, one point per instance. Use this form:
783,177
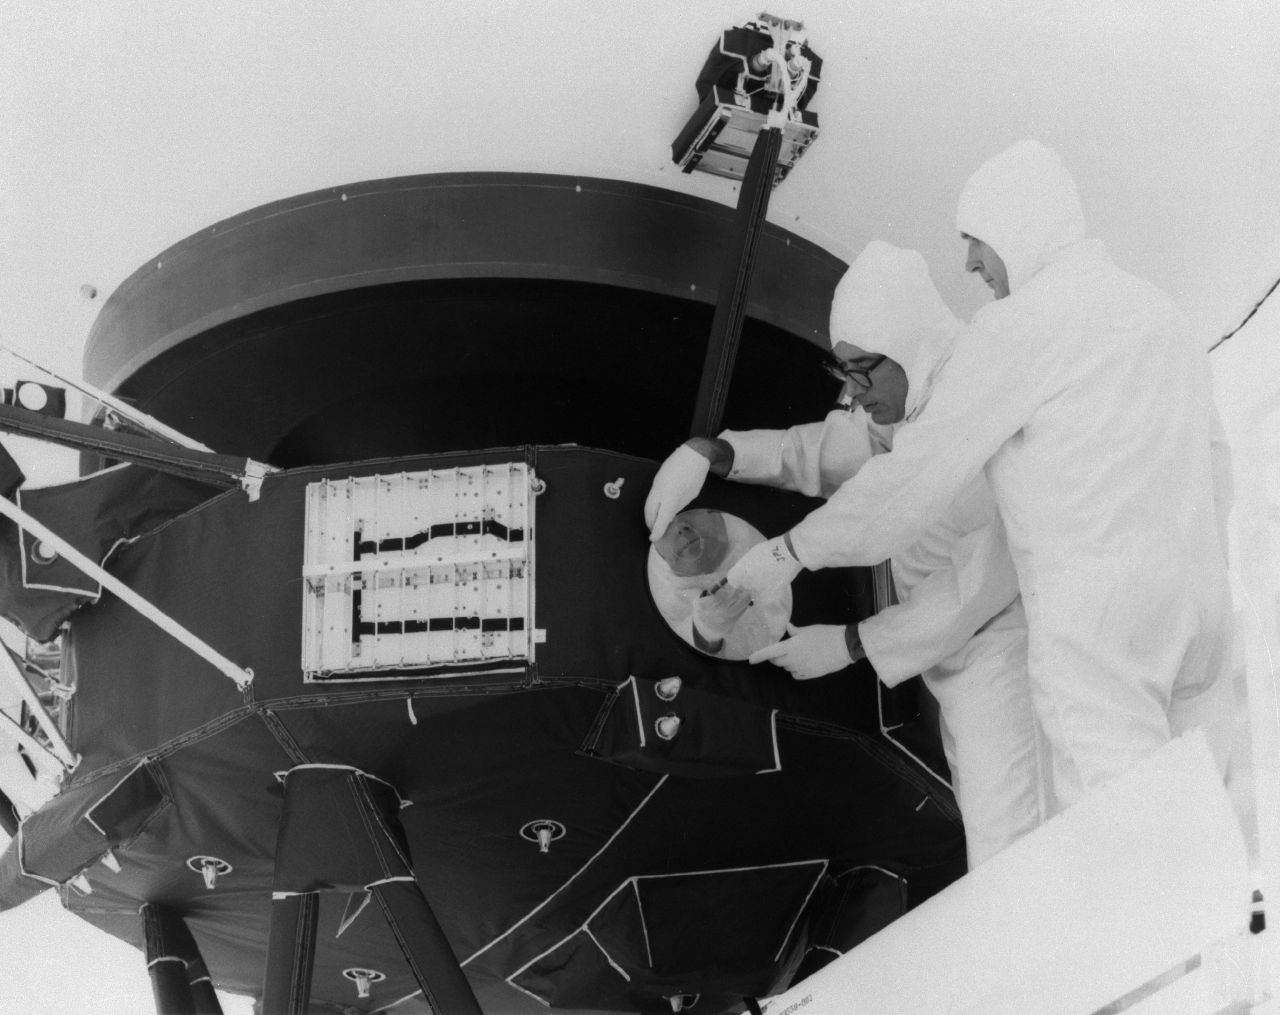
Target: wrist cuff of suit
791,549
853,643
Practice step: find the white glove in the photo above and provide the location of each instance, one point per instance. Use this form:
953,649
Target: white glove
678,481
764,567
715,614
812,651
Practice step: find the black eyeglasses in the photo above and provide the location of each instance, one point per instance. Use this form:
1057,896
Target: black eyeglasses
842,371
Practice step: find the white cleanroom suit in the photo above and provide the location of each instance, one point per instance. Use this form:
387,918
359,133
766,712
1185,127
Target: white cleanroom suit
960,622
1084,400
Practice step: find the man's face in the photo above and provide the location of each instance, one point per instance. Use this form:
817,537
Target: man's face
986,262
885,396
696,542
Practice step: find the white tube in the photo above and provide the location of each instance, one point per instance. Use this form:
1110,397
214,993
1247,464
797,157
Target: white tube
122,409
162,620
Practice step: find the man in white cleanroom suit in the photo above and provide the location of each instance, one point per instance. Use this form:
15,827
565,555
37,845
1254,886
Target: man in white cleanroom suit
960,622
1081,395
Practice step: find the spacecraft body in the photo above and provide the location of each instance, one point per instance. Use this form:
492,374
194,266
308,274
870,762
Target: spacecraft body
470,757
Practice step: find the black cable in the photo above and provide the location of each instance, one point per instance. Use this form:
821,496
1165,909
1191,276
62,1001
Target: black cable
1247,316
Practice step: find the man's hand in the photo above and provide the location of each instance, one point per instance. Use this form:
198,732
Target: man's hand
715,613
764,567
812,651
678,481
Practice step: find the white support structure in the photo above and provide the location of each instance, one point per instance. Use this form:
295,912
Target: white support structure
12,677
253,474
20,752
242,677
1248,398
48,766
14,736
1257,517
122,409
1135,900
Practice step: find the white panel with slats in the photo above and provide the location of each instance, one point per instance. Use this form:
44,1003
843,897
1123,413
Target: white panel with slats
417,569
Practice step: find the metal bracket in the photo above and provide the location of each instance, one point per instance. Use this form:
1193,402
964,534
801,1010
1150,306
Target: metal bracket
254,474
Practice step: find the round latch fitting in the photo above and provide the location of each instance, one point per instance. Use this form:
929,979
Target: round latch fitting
544,832
32,396
43,553
364,979
210,868
614,490
668,687
667,726
538,486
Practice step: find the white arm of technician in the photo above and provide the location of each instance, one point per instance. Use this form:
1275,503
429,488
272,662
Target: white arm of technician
942,612
992,385
813,459
939,616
